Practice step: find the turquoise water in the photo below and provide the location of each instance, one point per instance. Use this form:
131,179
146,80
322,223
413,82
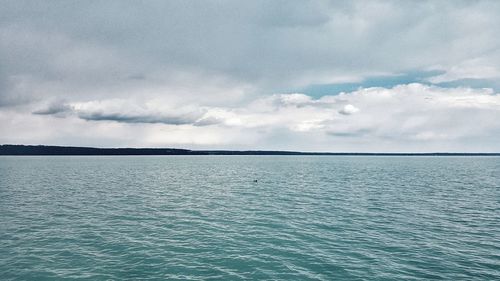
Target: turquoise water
204,218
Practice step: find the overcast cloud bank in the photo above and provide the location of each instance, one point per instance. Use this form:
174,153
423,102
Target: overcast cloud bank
216,74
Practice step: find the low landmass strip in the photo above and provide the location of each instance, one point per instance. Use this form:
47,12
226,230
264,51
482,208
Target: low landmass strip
8,149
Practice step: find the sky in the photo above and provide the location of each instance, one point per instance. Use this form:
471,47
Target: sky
339,76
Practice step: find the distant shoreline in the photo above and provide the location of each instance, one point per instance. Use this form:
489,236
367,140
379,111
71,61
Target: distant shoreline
43,150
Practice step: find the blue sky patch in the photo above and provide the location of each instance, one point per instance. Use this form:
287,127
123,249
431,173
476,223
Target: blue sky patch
319,90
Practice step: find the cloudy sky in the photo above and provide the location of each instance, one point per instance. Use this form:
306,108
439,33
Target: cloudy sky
373,76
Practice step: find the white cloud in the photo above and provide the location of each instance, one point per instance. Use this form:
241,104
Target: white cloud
349,109
412,117
480,68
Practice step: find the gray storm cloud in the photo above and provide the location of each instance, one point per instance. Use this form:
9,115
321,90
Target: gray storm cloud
127,114
119,117
54,108
79,49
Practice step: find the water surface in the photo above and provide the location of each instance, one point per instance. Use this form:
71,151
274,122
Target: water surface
205,218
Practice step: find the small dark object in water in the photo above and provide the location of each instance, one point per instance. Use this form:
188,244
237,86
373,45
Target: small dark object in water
254,180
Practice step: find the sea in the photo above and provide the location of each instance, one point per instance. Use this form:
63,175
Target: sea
249,218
